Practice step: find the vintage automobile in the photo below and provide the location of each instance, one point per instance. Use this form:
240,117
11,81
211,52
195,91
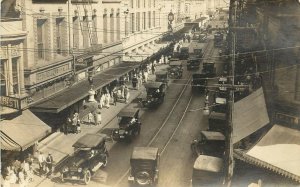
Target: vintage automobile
129,125
217,121
90,154
184,51
175,70
199,82
144,163
208,171
193,63
211,143
222,81
155,94
209,69
162,76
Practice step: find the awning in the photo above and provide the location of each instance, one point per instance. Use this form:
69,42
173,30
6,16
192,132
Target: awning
79,91
250,114
22,131
277,151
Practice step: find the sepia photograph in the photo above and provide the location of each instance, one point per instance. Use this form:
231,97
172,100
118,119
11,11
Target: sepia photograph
150,93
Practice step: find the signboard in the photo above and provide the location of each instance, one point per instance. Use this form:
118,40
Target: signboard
54,72
13,102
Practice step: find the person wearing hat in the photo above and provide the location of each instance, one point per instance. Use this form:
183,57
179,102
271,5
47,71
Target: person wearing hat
134,81
49,163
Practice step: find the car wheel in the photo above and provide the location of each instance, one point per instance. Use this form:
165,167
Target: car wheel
87,177
105,160
142,178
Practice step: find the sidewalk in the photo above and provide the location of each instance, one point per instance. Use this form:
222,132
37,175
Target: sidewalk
60,145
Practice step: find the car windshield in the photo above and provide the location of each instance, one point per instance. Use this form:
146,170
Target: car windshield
86,153
152,91
125,120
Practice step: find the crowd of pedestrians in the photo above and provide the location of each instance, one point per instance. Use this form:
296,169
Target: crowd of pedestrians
22,172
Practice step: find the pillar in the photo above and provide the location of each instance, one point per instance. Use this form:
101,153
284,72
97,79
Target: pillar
10,77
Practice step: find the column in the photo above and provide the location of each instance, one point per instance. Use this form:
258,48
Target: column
10,77
21,73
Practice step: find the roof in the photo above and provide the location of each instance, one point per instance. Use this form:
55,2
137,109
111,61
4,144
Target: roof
208,163
213,135
175,63
250,114
278,150
161,72
22,131
67,97
153,84
217,115
128,112
144,153
199,75
89,140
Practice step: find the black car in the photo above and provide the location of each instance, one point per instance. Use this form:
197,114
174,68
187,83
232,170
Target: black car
217,121
175,69
199,82
193,63
129,125
211,143
144,163
155,94
90,154
162,76
209,69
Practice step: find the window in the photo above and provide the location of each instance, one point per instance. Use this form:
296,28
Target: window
85,32
154,18
149,19
59,35
138,21
94,35
104,28
154,3
112,28
119,27
138,3
75,32
132,22
144,3
131,3
15,75
149,3
2,77
144,20
41,38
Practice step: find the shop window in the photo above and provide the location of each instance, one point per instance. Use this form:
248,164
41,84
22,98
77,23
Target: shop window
3,78
41,37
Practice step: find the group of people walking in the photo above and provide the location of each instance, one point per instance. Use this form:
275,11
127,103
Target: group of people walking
22,173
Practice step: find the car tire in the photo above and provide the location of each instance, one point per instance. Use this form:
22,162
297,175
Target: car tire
105,161
87,177
142,178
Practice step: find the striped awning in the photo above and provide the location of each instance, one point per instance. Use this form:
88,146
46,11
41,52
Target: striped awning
22,131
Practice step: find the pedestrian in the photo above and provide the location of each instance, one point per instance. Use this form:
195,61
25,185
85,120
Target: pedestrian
126,94
22,180
41,160
115,97
90,116
102,98
146,76
107,98
75,122
49,163
97,116
27,170
134,82
153,69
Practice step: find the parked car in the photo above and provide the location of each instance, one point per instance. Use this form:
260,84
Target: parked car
217,121
209,69
162,76
90,154
175,69
144,164
211,143
129,125
199,82
193,63
208,171
184,51
155,94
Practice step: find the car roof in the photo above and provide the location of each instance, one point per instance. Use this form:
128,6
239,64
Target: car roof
208,163
175,63
144,153
128,112
217,115
90,140
213,135
161,72
199,75
153,84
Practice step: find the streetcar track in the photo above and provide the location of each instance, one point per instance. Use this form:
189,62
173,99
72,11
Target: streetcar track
209,48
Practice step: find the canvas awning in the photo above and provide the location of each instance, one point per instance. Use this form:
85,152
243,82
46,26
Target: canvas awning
23,131
249,115
278,151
